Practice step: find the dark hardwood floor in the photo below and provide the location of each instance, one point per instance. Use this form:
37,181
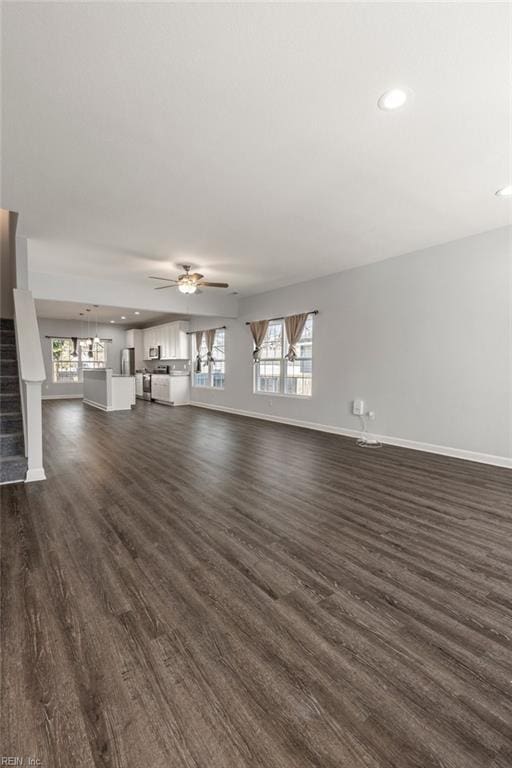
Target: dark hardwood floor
190,588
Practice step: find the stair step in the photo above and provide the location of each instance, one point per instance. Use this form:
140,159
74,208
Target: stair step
6,323
7,336
9,384
13,469
8,367
9,402
11,443
11,421
7,351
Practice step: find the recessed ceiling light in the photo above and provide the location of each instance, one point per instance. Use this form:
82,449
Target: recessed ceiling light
505,191
136,313
112,321
123,317
392,99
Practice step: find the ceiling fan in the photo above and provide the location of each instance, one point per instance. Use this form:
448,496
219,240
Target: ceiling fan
188,282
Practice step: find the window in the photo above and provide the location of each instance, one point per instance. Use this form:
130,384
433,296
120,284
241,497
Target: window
274,374
212,372
68,363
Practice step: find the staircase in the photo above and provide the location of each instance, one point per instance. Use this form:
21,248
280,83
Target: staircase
13,464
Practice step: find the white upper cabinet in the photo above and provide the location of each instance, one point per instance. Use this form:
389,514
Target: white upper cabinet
149,340
181,340
146,342
171,338
166,342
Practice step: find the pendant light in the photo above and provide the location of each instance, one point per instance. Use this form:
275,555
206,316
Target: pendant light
96,338
89,340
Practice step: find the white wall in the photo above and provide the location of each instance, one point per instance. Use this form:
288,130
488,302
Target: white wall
424,338
21,263
122,290
69,328
8,222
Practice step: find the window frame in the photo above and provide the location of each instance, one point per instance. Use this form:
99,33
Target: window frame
208,366
283,362
82,349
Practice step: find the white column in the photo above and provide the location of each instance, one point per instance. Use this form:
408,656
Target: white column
34,432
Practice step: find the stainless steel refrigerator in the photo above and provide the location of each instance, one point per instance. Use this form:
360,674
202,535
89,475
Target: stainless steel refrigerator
128,362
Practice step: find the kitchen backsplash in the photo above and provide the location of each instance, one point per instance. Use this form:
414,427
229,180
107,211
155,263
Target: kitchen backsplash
175,365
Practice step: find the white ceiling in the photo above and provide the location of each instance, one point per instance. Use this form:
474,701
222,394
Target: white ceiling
70,310
245,138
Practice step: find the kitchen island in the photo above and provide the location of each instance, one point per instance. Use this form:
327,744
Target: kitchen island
107,390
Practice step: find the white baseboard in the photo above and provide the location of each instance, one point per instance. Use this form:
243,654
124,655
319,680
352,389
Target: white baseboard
442,450
97,405
61,397
35,474
108,408
171,404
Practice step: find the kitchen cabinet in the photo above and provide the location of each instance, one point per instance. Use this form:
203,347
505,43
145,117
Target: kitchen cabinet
160,389
173,341
149,340
181,341
171,338
166,337
139,391
172,390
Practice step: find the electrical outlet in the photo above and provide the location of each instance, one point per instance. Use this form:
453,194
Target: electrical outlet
358,407
270,403
371,415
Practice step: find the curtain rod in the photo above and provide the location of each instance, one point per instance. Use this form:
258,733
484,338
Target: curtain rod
78,338
271,319
219,328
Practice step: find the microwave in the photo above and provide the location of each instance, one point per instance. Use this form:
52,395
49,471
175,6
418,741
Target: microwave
154,353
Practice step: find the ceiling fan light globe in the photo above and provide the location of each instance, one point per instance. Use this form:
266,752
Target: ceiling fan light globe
186,287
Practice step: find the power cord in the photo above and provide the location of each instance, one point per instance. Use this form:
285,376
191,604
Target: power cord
365,441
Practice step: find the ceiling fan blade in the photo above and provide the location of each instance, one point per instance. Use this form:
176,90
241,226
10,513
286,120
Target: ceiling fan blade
213,285
161,287
169,280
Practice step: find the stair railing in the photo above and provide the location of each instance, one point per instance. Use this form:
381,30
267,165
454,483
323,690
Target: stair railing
32,374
